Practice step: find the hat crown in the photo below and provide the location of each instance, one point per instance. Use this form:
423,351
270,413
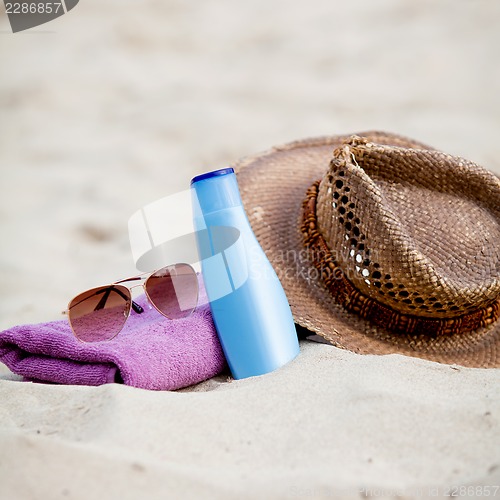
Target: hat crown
416,230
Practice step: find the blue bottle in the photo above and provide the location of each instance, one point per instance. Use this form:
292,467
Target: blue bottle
248,303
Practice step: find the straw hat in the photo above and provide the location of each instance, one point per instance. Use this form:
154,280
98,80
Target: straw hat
382,244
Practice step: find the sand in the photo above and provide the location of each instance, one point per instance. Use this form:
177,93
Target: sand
118,104
331,424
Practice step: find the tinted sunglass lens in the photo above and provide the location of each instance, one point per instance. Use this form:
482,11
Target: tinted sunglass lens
100,313
173,290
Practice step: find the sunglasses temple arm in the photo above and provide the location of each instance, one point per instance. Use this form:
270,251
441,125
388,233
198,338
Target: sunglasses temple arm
104,299
135,306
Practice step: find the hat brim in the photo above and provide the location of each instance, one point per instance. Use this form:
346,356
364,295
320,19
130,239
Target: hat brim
273,186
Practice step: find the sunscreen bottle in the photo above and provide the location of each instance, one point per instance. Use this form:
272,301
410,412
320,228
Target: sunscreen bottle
248,303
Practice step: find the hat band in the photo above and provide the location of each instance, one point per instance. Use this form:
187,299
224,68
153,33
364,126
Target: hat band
345,294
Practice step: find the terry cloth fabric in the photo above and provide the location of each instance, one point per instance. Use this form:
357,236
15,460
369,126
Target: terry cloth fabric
151,352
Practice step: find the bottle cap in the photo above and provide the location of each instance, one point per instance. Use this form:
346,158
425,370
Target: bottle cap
207,175
215,191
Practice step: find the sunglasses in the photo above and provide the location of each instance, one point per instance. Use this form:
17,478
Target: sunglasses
100,313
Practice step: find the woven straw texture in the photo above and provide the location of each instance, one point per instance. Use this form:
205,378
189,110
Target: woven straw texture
412,229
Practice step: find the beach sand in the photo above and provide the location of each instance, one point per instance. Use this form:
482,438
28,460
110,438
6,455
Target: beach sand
116,105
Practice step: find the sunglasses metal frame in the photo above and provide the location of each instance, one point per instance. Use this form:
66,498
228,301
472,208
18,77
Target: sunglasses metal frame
134,305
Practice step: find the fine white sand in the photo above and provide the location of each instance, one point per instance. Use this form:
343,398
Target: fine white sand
330,424
119,103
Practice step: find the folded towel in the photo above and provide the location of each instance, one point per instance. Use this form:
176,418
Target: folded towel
151,352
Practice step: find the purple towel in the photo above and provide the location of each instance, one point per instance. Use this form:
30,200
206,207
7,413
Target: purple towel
151,352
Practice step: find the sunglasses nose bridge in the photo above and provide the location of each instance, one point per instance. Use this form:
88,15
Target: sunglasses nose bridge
135,286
